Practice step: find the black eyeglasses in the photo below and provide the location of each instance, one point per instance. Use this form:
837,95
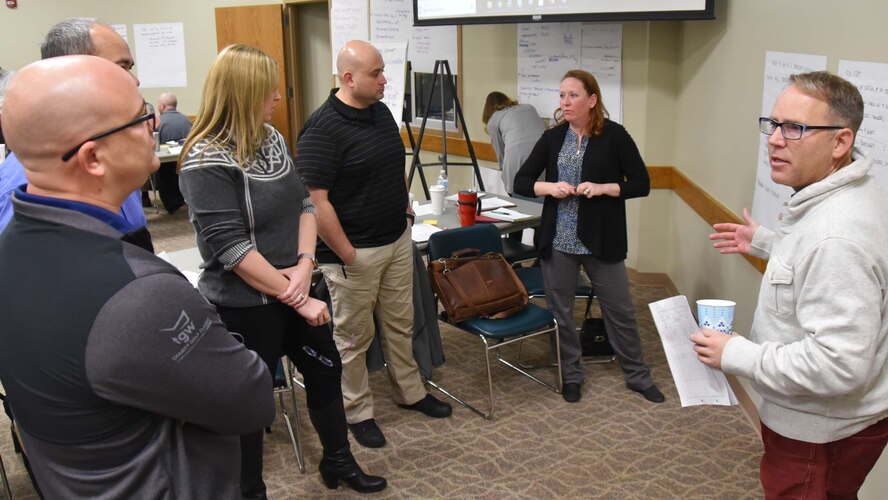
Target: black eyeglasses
791,131
149,115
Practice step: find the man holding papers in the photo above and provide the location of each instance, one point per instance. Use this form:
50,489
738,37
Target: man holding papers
818,347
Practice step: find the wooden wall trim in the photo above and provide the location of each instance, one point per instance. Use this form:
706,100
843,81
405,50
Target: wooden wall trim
662,177
701,202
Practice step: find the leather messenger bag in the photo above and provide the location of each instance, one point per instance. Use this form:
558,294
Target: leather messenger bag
472,285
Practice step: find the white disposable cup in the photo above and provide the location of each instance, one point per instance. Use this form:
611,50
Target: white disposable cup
716,314
437,193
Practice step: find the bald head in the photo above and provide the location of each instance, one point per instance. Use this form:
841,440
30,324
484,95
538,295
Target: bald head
55,104
165,101
360,68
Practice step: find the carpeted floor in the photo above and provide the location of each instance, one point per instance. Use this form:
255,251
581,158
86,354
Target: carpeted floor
612,444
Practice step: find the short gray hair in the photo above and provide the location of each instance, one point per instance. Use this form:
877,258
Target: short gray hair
842,97
69,38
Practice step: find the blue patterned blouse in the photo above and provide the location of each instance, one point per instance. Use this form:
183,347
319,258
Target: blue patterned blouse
570,166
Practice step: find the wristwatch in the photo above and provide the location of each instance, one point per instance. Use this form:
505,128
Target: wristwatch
309,256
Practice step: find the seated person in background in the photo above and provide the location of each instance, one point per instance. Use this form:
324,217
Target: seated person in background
174,127
80,36
122,379
514,129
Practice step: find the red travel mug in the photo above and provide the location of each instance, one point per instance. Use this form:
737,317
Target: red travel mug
469,205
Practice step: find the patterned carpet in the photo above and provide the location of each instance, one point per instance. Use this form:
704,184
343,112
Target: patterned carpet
611,445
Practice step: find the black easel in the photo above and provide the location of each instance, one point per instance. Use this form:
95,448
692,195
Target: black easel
442,73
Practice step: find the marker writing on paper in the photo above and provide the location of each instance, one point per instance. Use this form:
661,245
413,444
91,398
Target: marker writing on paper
499,212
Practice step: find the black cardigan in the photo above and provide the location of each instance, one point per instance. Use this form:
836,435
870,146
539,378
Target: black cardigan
601,220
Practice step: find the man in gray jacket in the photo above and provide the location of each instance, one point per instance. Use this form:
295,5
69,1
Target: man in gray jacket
122,379
818,350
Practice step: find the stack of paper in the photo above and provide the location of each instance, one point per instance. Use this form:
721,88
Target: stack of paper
697,383
507,215
493,203
421,232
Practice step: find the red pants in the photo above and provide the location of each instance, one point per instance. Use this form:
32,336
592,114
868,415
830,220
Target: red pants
800,470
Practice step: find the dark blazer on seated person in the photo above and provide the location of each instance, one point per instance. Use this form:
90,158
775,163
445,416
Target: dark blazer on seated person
601,220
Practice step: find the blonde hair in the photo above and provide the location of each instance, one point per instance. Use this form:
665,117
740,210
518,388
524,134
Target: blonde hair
233,103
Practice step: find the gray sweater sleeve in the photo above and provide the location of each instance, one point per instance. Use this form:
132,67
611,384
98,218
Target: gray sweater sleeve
159,346
210,182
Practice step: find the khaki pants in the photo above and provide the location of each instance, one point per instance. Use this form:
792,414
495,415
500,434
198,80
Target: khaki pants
378,284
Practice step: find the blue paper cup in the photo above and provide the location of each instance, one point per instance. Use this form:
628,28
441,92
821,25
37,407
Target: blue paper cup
716,314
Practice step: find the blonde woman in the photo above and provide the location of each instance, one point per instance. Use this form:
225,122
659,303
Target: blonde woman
256,232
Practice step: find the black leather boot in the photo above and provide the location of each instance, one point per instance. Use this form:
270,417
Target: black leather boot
338,463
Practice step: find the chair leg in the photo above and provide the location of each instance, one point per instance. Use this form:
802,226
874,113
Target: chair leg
5,480
494,349
156,194
292,430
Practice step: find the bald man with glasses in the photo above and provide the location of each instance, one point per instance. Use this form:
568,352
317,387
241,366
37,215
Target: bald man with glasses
123,381
818,350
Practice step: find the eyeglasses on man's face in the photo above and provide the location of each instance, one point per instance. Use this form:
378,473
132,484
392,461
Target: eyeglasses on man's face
147,117
791,131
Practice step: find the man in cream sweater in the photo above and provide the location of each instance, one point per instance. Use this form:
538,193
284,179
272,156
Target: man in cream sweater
818,347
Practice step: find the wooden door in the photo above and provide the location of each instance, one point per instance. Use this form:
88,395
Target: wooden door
260,26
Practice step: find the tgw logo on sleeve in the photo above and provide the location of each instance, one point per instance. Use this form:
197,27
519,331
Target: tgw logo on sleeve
186,334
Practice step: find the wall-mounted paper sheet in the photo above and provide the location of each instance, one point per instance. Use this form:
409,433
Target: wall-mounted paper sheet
160,55
121,30
871,80
348,21
394,55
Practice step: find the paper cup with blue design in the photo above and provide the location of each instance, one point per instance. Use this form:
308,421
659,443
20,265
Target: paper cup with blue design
716,314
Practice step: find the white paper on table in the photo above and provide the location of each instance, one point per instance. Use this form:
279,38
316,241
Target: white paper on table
421,232
422,210
493,203
507,215
697,383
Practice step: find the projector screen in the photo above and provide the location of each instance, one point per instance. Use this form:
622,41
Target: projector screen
444,12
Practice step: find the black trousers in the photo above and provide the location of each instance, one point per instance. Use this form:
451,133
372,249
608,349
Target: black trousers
271,331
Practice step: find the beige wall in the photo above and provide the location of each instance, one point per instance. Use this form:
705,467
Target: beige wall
22,29
692,92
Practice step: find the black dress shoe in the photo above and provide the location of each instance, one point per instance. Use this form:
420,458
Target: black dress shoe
431,407
368,434
571,392
652,394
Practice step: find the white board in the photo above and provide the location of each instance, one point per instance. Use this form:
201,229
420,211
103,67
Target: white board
871,80
769,198
394,55
548,50
348,21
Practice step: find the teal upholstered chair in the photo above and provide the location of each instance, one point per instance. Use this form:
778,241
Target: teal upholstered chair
495,334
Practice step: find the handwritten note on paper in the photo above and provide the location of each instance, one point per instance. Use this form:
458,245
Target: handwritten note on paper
697,383
394,55
390,20
871,80
121,30
160,55
548,50
348,21
769,198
